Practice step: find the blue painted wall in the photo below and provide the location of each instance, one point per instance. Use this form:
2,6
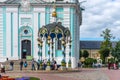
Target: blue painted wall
59,11
47,15
4,31
72,30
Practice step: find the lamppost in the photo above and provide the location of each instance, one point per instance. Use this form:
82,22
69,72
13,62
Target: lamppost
40,49
69,63
63,63
48,62
48,47
52,47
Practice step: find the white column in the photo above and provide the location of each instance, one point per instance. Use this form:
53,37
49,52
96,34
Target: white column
8,34
35,35
42,17
1,32
15,35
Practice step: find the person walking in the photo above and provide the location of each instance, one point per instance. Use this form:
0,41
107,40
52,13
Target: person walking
11,65
21,65
55,65
33,64
38,64
25,64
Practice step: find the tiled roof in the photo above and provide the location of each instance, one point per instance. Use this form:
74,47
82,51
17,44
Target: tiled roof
92,44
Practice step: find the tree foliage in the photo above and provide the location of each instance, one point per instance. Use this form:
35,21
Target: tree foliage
80,55
106,45
116,51
85,54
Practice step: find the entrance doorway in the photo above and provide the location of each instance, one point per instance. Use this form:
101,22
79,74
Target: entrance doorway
25,48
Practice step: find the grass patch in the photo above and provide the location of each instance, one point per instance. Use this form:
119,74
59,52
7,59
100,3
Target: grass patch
34,78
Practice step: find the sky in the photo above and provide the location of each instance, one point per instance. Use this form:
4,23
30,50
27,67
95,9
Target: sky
99,15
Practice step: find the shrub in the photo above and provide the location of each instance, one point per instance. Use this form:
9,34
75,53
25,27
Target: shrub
89,61
34,78
111,60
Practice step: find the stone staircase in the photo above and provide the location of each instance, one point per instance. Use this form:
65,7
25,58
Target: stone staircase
17,65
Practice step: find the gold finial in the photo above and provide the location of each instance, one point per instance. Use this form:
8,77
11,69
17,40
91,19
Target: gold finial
54,13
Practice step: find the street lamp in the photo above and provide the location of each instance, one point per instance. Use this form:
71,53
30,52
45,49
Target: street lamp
40,49
48,62
48,39
64,47
41,43
69,63
52,48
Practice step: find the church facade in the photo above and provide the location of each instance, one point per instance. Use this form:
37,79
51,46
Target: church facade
21,31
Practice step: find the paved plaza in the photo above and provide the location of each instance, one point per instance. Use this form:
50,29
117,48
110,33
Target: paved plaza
81,74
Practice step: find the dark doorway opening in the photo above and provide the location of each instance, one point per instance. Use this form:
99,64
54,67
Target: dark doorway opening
25,48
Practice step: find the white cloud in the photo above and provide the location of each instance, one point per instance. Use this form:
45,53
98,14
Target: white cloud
2,0
99,15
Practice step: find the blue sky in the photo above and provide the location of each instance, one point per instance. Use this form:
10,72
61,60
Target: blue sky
99,15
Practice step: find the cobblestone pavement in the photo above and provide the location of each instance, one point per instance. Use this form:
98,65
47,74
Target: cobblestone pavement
82,74
112,74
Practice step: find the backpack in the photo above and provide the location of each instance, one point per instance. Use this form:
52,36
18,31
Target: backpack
25,64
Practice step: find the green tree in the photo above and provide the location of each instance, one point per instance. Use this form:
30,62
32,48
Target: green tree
85,54
80,54
116,51
106,45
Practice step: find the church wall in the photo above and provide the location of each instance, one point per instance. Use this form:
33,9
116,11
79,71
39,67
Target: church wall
8,34
73,37
66,23
15,34
66,20
1,32
11,33
59,1
41,13
35,30
47,15
23,22
77,38
36,18
74,28
4,31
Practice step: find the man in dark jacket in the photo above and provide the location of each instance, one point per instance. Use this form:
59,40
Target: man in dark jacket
21,64
11,65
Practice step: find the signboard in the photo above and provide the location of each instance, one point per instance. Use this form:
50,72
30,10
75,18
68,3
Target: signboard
29,57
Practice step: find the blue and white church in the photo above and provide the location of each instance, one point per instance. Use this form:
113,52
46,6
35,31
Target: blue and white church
42,29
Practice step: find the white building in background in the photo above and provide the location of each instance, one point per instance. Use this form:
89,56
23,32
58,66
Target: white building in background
19,29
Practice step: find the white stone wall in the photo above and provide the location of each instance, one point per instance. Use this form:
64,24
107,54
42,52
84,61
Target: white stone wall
14,11
15,34
34,26
1,32
8,33
66,14
36,11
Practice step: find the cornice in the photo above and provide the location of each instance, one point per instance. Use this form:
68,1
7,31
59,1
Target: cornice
42,4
